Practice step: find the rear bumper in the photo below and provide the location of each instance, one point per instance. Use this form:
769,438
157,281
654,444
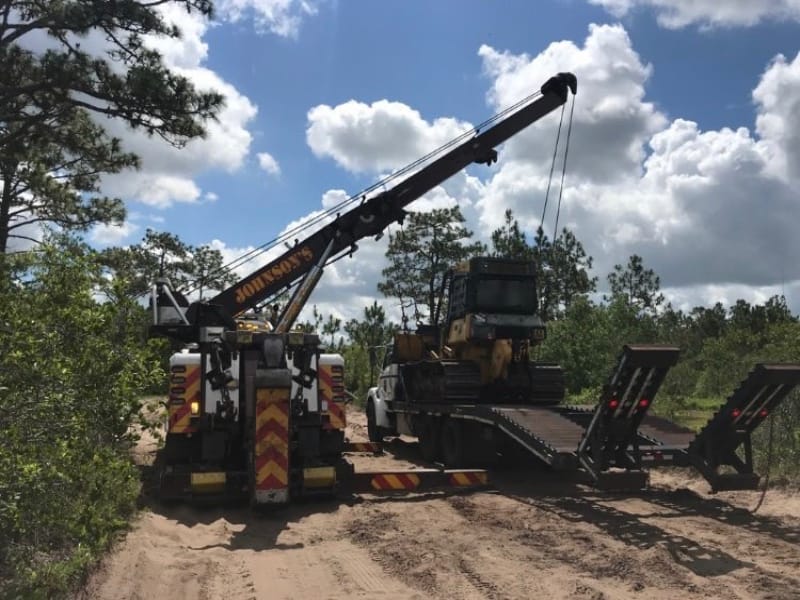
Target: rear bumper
213,486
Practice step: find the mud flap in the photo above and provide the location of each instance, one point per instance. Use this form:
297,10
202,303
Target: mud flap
729,430
183,484
611,439
271,437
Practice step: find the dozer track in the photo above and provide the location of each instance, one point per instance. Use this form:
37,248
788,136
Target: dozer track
547,384
447,381
459,382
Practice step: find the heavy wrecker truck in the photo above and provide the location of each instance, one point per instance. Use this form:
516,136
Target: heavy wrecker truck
256,409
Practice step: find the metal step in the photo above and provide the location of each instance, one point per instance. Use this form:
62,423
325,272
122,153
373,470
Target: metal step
728,432
612,438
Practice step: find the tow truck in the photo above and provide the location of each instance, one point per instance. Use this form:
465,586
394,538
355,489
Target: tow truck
256,408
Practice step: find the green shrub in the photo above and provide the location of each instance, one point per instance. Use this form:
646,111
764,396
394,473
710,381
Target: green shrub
72,370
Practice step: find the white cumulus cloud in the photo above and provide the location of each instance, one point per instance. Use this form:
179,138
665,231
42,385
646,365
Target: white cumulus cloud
168,174
164,190
704,208
268,163
109,235
375,137
778,99
680,13
281,17
333,198
612,120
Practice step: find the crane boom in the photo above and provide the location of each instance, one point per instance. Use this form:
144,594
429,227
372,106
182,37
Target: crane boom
372,216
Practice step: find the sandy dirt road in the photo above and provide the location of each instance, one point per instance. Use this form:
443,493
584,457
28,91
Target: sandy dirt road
532,536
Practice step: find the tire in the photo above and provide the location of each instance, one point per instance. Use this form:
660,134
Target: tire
429,435
453,443
374,432
480,445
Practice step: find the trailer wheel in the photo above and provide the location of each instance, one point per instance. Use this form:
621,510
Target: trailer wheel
453,443
429,435
374,432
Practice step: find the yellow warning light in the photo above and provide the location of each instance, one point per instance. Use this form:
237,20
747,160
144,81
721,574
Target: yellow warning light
319,477
208,483
195,408
296,338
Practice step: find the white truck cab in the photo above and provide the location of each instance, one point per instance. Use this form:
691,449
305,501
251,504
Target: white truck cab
381,421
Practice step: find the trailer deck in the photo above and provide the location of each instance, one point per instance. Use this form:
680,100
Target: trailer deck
615,441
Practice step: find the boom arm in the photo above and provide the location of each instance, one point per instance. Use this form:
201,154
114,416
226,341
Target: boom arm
373,216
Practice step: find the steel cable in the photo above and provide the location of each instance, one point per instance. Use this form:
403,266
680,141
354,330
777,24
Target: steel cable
564,168
287,235
552,166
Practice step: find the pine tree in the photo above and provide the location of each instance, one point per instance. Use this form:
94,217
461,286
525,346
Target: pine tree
419,256
52,147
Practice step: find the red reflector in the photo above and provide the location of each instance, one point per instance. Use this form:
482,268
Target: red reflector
763,412
644,402
613,403
736,412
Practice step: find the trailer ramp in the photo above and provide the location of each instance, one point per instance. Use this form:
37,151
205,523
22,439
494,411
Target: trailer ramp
617,441
599,439
611,439
543,431
719,442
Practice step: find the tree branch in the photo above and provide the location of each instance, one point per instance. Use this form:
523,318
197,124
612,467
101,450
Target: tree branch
18,236
18,30
26,209
6,13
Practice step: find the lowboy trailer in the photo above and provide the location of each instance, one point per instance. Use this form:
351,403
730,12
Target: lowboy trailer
614,443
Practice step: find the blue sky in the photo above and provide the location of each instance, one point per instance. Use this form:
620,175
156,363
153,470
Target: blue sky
426,55
664,64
